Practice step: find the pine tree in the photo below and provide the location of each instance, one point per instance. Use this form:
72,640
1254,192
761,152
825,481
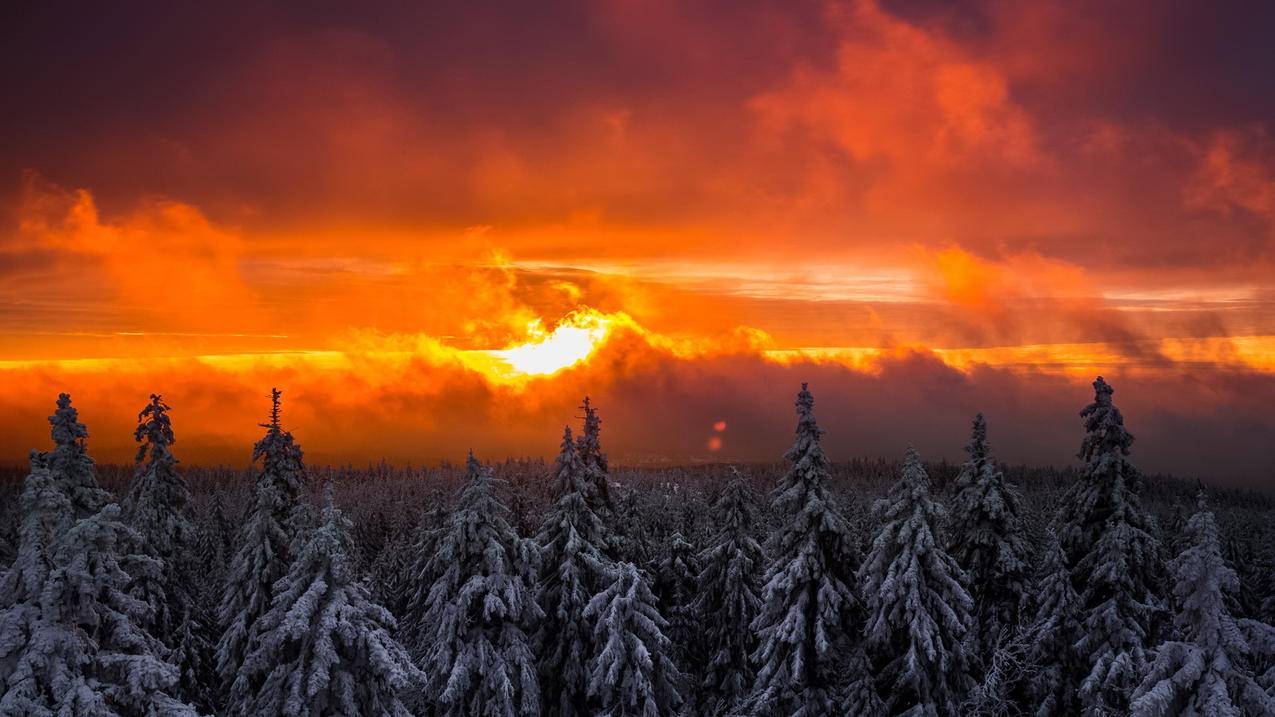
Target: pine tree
422,573
1113,554
324,647
986,538
478,658
676,587
265,543
728,600
596,467
574,570
70,463
918,612
809,607
157,508
46,514
89,653
1208,671
631,671
1054,689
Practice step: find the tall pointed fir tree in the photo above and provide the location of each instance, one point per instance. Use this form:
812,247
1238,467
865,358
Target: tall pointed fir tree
918,611
1114,559
1053,686
632,672
727,600
46,515
809,609
478,657
158,508
675,586
1208,671
596,466
265,543
422,572
70,463
986,538
324,647
574,570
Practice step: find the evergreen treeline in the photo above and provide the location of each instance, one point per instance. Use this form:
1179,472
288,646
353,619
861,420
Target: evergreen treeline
523,588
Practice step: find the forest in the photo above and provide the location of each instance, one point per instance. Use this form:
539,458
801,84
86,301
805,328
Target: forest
576,587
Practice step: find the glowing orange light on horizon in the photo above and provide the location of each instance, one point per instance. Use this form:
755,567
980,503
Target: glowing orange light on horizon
573,340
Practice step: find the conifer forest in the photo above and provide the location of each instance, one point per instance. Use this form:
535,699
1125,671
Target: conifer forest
577,587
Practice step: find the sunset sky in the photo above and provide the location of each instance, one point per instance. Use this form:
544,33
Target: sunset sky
437,226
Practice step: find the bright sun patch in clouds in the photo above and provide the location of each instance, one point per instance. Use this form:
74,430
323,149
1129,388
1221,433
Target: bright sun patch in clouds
547,352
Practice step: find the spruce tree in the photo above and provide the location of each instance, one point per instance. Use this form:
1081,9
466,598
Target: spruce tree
422,573
324,647
574,570
809,608
728,599
986,538
631,672
918,611
1208,671
675,587
265,543
1053,689
157,508
478,658
596,467
46,514
70,463
1113,554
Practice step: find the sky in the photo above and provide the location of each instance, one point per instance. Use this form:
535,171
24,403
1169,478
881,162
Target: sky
437,226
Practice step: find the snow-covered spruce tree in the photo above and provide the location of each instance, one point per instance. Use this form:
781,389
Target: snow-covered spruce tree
986,538
574,570
918,611
1114,559
90,654
158,510
1207,671
324,647
1054,688
478,658
70,463
265,543
809,608
596,467
413,599
675,586
631,672
45,516
727,600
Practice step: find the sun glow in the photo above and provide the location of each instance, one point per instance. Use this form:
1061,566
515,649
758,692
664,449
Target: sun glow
573,340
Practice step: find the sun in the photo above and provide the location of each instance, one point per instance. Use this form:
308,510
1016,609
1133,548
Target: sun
573,340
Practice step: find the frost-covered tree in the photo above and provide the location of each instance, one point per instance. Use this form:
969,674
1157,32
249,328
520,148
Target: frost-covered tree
89,653
574,570
918,611
422,573
45,513
986,538
70,463
265,543
324,647
1114,558
727,600
596,466
478,657
1207,671
1053,689
631,672
158,509
809,608
675,586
